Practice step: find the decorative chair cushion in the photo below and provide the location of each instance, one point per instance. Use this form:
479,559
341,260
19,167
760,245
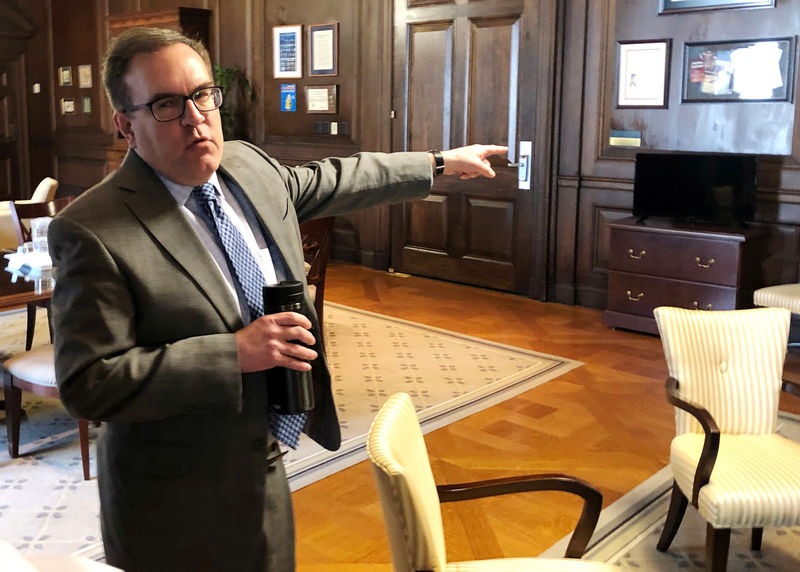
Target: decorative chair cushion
780,296
754,483
34,366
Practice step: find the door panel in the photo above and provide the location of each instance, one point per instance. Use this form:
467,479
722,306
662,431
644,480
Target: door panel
429,85
10,151
457,80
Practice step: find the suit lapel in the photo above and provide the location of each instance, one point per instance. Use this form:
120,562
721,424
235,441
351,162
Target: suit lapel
156,209
271,205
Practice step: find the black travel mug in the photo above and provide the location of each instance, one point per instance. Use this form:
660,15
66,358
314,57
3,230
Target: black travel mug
290,391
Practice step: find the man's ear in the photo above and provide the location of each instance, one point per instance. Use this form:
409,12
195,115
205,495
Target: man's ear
125,128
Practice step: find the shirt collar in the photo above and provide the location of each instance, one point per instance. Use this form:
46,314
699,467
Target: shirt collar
181,193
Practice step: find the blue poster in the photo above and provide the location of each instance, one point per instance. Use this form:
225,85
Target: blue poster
288,97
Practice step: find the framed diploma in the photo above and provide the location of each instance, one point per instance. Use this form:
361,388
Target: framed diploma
287,50
321,99
85,76
323,42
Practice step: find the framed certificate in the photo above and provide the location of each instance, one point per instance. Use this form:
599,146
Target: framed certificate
323,42
85,76
287,51
321,99
65,75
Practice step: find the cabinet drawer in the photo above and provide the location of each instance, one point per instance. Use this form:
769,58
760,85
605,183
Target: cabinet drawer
634,294
678,257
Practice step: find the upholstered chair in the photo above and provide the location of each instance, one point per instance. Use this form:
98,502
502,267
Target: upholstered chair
410,500
45,191
782,296
21,215
34,371
725,371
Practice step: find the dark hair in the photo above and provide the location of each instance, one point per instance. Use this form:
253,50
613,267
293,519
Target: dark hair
136,41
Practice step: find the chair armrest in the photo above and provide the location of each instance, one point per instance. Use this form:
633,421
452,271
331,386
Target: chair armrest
708,456
593,500
791,387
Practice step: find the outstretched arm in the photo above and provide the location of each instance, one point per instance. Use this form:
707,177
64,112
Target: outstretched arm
471,161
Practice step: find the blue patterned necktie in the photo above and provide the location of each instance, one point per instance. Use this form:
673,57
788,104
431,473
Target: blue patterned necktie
285,428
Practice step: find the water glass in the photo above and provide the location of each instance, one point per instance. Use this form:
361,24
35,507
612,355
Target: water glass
39,233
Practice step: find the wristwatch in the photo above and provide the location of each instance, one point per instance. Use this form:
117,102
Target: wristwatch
438,162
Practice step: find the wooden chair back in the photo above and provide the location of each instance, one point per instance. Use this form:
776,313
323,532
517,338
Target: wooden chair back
316,236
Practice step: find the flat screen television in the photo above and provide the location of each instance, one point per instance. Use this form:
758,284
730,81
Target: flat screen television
712,188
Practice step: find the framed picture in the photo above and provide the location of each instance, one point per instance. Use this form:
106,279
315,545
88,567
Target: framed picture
746,70
323,44
86,104
85,76
287,51
643,73
321,99
670,6
65,75
67,105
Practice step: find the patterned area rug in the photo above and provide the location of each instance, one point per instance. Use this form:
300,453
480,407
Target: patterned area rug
47,507
629,530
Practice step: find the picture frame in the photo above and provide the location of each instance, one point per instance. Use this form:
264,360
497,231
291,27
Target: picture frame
323,49
85,76
321,99
65,76
287,51
643,73
67,105
86,104
738,71
677,6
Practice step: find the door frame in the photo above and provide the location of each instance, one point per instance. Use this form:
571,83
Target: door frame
550,26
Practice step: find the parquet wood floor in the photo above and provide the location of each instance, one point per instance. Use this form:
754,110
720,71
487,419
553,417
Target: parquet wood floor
607,422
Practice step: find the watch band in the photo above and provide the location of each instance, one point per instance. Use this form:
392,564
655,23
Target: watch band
438,162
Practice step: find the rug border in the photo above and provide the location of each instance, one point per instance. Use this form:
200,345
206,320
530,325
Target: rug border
353,450
455,334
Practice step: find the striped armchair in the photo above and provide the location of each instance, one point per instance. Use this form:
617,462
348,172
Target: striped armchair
725,373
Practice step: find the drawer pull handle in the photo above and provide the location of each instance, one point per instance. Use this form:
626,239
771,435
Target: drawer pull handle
697,306
701,265
632,255
632,298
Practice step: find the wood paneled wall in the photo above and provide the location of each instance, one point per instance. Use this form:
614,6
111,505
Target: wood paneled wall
591,182
595,180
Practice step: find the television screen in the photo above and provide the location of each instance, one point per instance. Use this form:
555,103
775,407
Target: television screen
704,188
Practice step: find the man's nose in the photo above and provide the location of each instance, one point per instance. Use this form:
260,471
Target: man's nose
192,115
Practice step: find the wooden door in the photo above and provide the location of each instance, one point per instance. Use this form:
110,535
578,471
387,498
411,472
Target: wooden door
11,122
465,72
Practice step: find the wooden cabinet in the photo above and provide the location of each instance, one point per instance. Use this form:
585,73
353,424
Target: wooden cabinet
663,263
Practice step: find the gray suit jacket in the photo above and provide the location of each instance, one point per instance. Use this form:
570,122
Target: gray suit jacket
144,326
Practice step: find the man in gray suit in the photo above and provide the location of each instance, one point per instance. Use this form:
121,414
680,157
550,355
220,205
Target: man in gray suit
155,332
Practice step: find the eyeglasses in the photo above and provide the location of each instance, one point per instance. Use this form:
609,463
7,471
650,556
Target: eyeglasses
174,106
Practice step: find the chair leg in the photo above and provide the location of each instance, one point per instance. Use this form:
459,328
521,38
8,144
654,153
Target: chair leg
677,508
31,325
49,321
755,539
83,437
717,542
13,413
